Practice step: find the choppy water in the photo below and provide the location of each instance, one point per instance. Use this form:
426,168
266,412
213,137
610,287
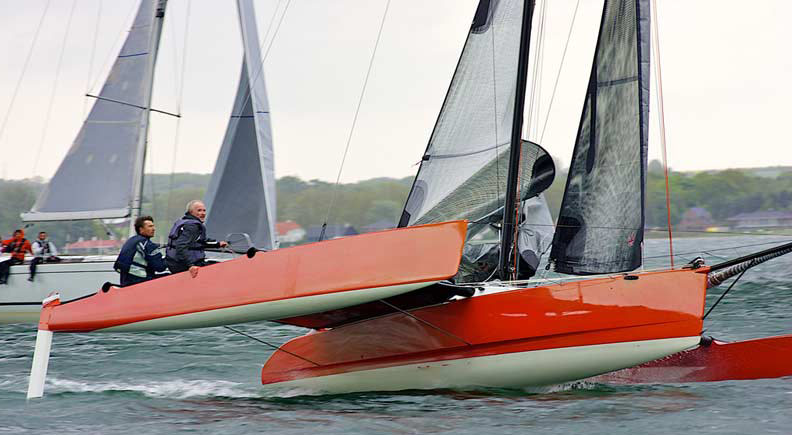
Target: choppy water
207,381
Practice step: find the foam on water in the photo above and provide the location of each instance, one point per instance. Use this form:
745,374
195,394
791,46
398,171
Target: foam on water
175,389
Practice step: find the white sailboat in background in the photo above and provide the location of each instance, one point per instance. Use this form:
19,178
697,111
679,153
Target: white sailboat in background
101,177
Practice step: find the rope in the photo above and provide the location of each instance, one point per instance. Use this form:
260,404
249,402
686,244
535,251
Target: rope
112,54
661,120
24,70
655,229
425,322
354,119
58,66
277,348
534,102
92,58
560,67
724,294
248,94
179,100
495,114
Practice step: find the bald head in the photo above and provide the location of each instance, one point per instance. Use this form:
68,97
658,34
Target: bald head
197,209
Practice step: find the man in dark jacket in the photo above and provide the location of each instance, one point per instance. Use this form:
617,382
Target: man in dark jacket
187,241
140,258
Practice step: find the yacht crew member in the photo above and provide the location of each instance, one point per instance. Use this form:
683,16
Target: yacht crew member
140,258
17,246
44,251
187,241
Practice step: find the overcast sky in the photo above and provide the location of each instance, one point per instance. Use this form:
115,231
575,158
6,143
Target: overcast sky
725,67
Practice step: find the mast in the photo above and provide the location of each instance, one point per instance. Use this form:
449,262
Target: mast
140,154
505,267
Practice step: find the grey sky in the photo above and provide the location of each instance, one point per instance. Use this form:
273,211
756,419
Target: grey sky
724,63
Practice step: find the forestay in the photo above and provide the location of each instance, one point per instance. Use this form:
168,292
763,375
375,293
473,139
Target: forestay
97,177
241,193
600,226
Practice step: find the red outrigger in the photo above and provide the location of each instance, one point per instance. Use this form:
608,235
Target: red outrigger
271,285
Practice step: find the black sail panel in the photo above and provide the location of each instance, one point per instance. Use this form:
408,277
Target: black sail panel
600,225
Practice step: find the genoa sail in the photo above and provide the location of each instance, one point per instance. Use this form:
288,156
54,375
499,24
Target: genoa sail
464,169
241,193
600,225
109,145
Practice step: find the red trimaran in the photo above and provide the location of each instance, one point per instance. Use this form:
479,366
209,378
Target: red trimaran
417,308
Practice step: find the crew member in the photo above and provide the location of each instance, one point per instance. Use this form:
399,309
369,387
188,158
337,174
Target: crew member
17,246
187,241
44,251
140,258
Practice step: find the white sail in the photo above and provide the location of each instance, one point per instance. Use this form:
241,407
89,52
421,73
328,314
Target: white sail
241,193
101,176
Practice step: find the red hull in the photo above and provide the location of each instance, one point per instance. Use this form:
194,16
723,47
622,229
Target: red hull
399,257
715,361
656,305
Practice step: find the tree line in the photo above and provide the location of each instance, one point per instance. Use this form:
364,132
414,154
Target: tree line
313,202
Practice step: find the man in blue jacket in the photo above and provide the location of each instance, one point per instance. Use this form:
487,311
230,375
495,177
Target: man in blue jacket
140,258
187,241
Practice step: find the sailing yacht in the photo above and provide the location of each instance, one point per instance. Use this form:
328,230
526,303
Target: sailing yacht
101,177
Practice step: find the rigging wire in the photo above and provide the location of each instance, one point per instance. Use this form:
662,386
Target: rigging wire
94,38
260,70
560,68
272,19
354,120
24,70
661,119
248,93
724,294
536,86
113,54
179,100
58,68
277,348
495,114
407,313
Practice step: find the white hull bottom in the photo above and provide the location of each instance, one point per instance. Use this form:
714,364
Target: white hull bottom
537,368
271,310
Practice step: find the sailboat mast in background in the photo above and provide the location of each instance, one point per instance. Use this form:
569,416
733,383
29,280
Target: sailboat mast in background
140,154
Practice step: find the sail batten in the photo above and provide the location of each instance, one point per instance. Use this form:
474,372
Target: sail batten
107,146
600,225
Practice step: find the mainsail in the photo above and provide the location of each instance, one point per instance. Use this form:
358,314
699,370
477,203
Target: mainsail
464,169
241,193
101,176
600,226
